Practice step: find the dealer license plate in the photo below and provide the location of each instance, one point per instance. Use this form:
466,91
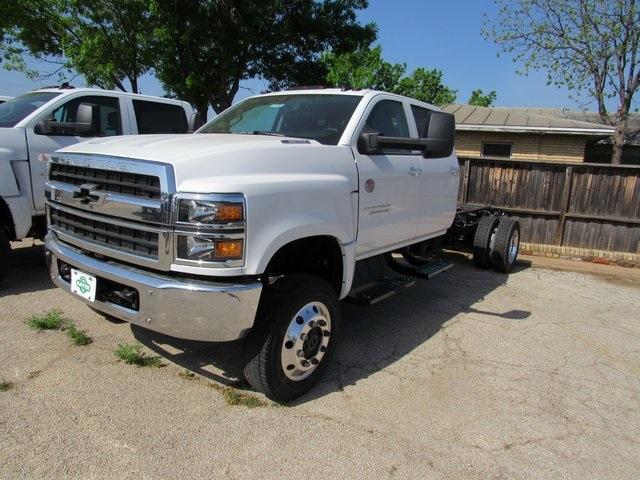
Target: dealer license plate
83,285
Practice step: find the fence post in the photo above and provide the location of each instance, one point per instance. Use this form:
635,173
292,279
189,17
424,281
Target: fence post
564,204
466,167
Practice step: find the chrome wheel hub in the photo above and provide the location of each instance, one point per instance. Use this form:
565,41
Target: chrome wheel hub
513,246
306,340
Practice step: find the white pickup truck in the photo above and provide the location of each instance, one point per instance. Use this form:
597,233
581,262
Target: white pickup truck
260,222
35,124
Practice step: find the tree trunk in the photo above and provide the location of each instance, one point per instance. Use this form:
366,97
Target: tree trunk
201,118
618,137
134,84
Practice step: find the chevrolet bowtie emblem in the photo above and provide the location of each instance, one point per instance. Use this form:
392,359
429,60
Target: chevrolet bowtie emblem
88,193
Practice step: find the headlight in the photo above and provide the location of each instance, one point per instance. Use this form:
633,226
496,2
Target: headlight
209,230
209,211
198,248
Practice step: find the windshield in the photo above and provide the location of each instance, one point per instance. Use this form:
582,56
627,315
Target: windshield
16,109
315,117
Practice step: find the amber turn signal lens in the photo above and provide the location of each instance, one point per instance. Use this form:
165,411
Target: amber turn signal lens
231,212
231,249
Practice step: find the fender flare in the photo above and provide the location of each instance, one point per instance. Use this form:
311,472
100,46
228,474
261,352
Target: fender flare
347,248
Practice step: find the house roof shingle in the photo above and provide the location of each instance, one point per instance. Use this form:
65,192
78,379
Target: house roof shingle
500,119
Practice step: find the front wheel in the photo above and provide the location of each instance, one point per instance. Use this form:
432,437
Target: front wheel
294,338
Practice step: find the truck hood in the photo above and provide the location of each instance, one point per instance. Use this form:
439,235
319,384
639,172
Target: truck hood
226,163
13,144
176,149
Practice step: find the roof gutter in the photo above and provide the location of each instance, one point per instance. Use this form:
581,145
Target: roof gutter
515,129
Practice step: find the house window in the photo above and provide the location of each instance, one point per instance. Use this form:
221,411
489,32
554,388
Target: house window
502,150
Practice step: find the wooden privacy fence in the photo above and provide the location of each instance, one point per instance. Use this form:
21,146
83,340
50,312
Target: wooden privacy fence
583,205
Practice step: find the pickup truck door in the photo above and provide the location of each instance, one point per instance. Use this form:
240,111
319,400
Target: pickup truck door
389,182
107,121
438,185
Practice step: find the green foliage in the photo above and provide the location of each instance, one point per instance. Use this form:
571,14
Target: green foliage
132,354
4,386
204,49
480,99
235,397
591,47
365,68
51,320
107,41
79,337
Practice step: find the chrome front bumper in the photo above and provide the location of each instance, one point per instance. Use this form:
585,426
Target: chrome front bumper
183,308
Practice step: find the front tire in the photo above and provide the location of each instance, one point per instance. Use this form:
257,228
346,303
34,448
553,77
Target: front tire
294,337
5,255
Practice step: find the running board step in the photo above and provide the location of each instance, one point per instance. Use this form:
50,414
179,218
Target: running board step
431,269
381,290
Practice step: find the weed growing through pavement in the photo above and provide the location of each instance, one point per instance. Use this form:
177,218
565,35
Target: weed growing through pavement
51,320
235,397
4,386
186,373
132,354
77,336
55,320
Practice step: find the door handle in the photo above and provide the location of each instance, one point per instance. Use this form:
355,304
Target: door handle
413,171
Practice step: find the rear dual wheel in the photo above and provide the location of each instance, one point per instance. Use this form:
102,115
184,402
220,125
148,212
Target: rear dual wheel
294,339
506,245
496,243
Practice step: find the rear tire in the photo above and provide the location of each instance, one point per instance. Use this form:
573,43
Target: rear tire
482,241
506,245
294,337
5,255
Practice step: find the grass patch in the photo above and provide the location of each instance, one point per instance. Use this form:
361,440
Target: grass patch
4,386
77,336
51,320
235,397
132,354
186,373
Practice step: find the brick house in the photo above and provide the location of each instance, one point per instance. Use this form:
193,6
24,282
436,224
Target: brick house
519,134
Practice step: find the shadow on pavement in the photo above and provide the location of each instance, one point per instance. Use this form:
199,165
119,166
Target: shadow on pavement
28,271
371,337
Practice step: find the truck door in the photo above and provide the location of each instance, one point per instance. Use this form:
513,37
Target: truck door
389,182
438,184
106,121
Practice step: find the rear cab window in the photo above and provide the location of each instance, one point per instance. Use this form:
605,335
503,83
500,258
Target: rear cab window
157,117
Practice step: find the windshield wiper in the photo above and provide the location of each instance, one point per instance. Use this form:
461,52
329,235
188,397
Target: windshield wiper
262,132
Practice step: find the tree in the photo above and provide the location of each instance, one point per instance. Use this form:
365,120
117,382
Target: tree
479,99
589,46
205,48
106,41
365,68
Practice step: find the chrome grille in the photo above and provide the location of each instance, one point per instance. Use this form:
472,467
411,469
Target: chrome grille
127,239
124,183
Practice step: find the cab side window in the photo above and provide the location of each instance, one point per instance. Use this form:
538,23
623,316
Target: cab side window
156,117
105,119
421,115
387,118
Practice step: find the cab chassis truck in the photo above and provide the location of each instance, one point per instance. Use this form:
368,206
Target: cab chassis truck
259,223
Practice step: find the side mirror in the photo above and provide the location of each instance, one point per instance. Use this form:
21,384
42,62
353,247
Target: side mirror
43,127
82,125
440,138
372,143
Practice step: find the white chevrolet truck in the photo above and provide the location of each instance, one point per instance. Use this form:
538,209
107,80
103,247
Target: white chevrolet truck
258,224
35,124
